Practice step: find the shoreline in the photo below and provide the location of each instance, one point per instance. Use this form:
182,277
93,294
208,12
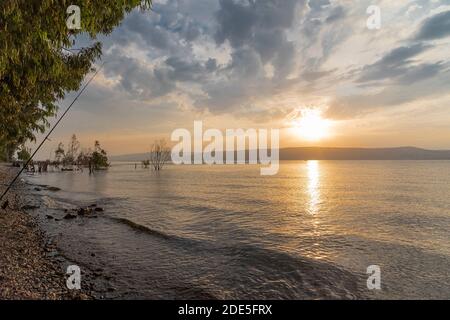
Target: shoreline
29,269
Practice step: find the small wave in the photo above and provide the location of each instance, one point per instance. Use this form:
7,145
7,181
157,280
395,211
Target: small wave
157,233
142,228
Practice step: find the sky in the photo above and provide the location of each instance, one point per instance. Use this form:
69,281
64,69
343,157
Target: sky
261,64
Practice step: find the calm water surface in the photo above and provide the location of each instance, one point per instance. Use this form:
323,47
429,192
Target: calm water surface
227,232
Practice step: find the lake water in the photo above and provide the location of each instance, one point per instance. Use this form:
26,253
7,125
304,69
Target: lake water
226,232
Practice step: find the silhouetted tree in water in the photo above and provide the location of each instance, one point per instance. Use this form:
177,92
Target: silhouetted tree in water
159,155
145,164
59,153
72,151
95,160
99,158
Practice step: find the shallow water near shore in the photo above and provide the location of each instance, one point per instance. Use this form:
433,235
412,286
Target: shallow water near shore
226,232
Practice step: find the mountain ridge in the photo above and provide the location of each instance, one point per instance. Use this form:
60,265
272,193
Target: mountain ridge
337,153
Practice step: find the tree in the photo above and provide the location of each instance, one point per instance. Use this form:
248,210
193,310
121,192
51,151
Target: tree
6,151
72,150
99,158
84,157
24,154
59,153
159,154
145,163
38,65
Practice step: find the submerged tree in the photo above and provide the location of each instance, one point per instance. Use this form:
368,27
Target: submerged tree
84,157
72,151
145,164
99,158
95,160
37,63
159,155
59,153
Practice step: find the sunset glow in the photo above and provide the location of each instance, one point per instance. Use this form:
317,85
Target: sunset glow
311,126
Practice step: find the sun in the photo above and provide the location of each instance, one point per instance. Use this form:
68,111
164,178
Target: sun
311,126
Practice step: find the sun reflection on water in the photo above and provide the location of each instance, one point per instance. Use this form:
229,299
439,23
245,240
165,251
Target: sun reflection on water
313,208
313,187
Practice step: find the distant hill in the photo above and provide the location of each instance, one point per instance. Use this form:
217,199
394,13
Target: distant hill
319,153
135,157
402,153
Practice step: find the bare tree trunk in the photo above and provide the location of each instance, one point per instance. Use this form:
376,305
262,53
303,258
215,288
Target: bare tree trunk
159,155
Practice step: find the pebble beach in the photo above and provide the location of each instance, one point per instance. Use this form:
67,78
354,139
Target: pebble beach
27,270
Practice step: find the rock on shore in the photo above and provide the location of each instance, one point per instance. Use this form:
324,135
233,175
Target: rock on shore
26,272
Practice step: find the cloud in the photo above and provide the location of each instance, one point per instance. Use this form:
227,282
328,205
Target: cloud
424,82
138,80
317,5
242,57
259,26
336,14
435,27
394,64
182,70
420,73
403,75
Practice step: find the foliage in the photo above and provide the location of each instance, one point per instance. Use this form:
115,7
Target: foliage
99,158
60,153
72,151
24,154
84,157
37,69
